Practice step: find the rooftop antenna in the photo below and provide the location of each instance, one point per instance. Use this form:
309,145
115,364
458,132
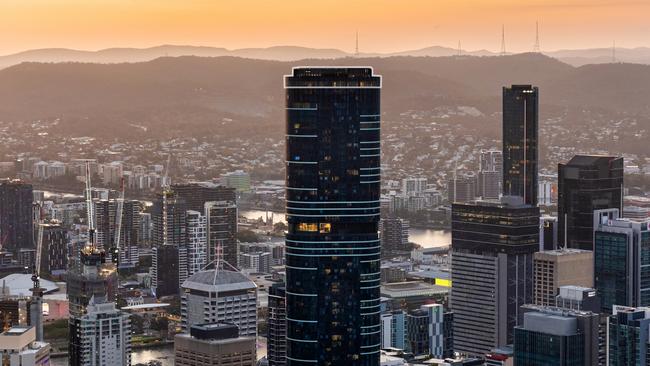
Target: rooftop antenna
356,47
536,47
614,52
503,40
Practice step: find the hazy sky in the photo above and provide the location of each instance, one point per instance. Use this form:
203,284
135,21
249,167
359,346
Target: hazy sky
384,25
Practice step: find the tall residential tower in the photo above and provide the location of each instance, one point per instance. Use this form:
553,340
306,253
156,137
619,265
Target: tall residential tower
333,187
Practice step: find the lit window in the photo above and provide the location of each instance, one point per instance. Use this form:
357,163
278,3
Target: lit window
311,227
325,228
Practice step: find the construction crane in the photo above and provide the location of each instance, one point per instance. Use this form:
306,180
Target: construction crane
115,252
36,312
166,190
90,209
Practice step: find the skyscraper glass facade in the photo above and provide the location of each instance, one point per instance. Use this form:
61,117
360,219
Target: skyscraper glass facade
520,142
332,243
585,184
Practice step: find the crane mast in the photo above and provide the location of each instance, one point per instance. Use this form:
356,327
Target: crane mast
89,208
118,224
36,312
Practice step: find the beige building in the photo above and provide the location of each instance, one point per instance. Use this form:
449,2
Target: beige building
561,267
216,344
19,347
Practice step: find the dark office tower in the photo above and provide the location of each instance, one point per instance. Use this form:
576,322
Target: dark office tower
628,337
54,258
168,269
333,188
586,184
175,226
621,260
492,271
394,235
556,338
520,142
197,194
16,222
277,326
221,221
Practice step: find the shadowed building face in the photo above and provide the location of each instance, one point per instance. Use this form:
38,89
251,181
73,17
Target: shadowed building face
333,188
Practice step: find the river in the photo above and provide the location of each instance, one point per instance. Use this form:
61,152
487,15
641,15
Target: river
427,238
163,354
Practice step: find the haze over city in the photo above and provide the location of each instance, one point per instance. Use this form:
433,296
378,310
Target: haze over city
324,183
384,25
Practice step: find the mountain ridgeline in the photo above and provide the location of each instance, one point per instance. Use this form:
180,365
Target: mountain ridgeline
193,95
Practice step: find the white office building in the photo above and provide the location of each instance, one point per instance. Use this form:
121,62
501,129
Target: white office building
219,296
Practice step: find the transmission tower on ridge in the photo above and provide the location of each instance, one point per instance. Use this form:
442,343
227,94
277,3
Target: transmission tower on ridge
356,46
503,40
536,47
460,50
614,52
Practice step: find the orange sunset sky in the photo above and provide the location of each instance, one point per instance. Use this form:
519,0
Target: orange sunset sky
384,25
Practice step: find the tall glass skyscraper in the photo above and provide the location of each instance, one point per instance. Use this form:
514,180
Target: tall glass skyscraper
585,184
332,244
520,142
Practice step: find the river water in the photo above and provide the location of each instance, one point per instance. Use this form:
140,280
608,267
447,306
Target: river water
427,238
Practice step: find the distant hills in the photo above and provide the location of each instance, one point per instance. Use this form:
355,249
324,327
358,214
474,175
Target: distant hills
191,95
294,53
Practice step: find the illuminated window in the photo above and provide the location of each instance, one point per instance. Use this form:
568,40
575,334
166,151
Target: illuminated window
311,227
325,228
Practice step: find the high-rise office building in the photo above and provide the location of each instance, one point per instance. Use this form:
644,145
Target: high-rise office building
490,175
628,336
461,188
393,329
548,233
239,180
106,229
197,242
621,265
214,344
221,219
555,268
491,161
91,279
104,335
555,338
489,185
520,142
586,184
169,256
171,231
16,220
196,194
492,271
276,348
333,191
394,234
224,296
54,256
413,186
440,330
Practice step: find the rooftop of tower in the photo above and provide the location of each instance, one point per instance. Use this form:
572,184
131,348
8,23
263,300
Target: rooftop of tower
224,281
332,76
